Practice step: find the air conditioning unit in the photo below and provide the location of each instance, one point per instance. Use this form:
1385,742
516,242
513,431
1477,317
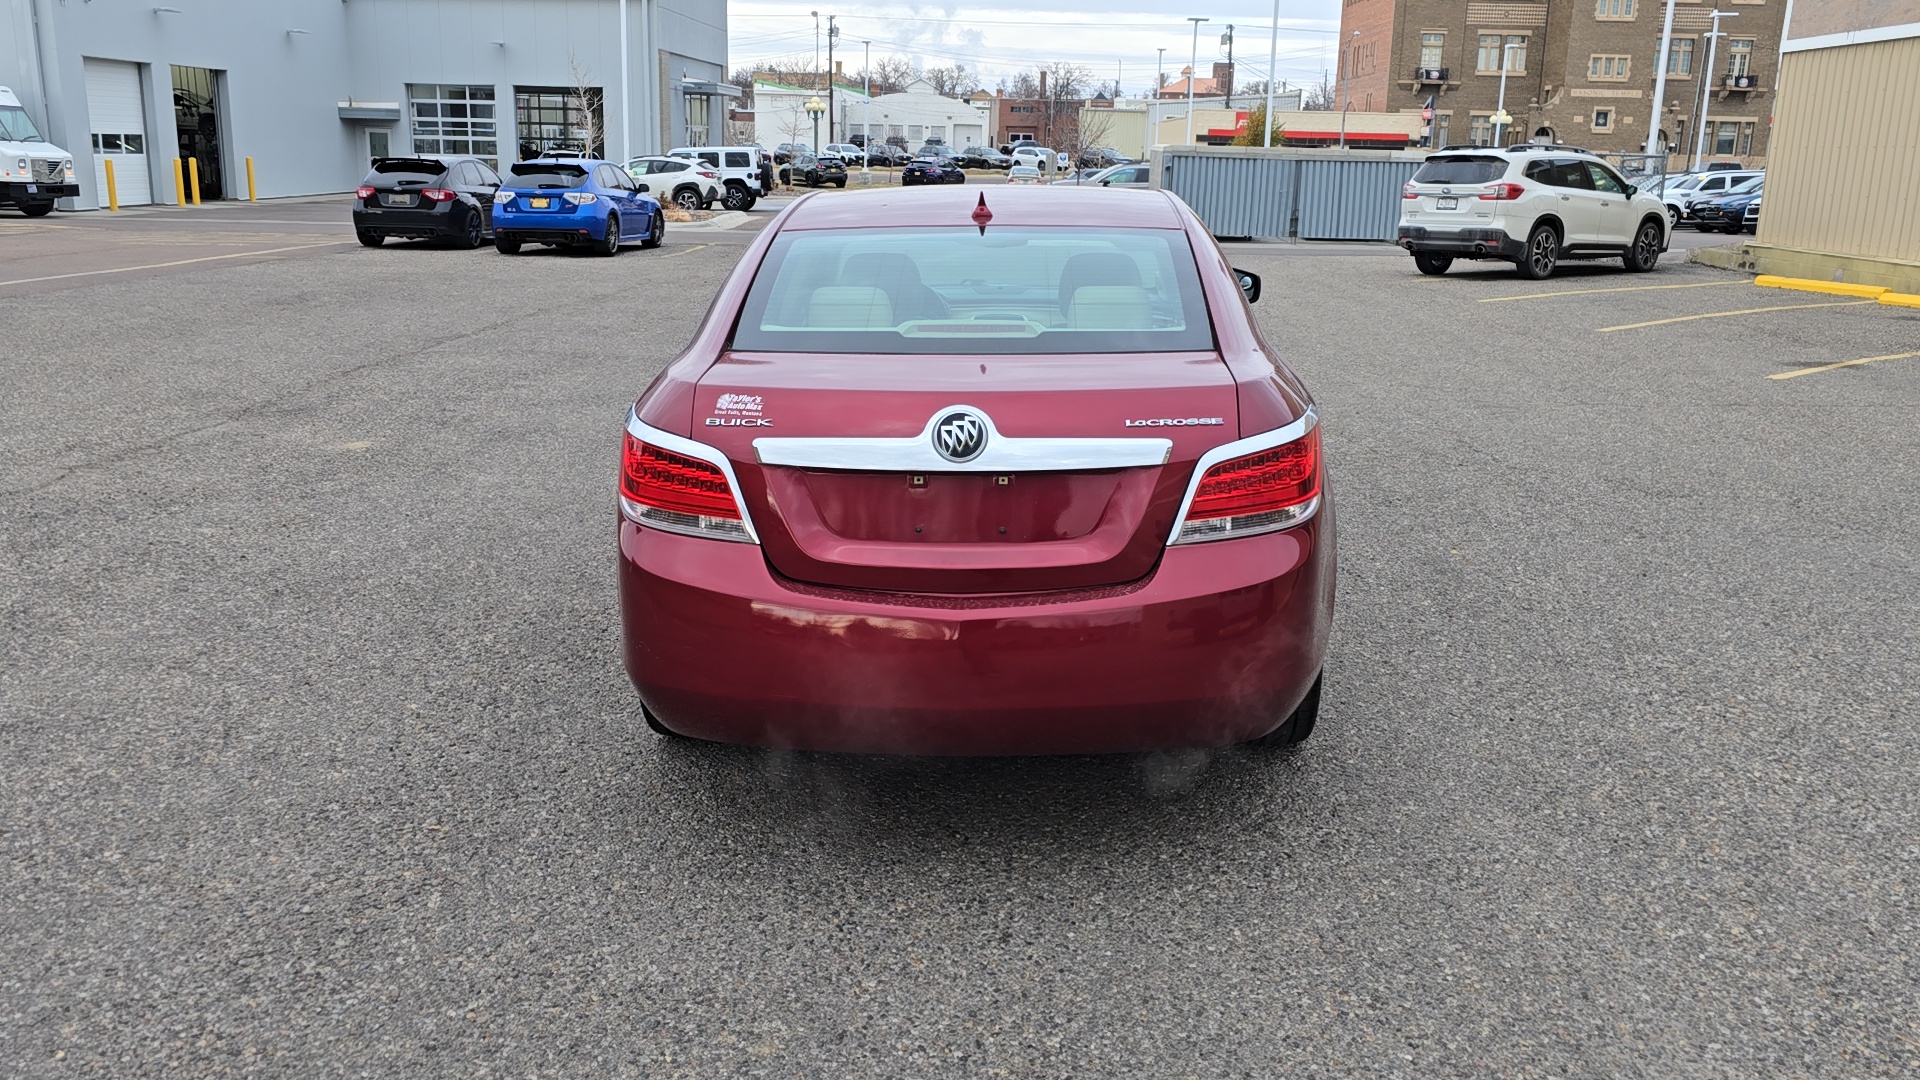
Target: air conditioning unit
1742,82
1438,75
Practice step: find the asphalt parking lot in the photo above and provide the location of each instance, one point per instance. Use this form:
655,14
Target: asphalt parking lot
317,759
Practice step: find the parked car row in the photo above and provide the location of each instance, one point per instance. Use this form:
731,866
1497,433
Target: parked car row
567,202
1684,192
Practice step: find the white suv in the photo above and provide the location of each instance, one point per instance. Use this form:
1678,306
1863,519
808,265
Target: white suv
745,174
1531,206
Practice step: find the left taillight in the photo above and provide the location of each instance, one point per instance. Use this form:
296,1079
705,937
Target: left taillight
1269,489
363,192
677,492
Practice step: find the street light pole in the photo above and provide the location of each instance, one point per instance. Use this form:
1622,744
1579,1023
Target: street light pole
1346,83
866,117
1706,91
626,110
1500,117
1193,71
1273,59
1660,87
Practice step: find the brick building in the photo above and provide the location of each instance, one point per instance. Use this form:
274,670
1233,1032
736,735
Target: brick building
1580,71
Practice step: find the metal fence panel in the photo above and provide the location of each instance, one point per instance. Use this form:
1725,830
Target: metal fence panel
1235,196
1352,200
1309,194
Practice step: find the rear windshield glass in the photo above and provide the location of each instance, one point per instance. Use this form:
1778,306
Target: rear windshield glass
1746,187
1461,170
407,169
546,174
944,290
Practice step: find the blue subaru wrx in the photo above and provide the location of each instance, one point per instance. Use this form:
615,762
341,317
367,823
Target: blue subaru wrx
574,202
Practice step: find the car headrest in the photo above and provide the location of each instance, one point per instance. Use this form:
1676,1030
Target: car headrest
1110,307
849,307
1095,268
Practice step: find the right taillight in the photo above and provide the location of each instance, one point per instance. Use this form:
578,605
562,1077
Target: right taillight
1503,192
1266,490
678,492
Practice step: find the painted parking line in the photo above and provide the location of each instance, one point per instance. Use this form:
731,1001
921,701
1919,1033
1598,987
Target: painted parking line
176,262
1731,314
685,251
1628,288
1843,363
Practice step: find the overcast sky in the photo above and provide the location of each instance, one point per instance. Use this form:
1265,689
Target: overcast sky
1113,38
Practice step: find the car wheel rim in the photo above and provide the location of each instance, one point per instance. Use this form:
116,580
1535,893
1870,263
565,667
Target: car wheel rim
473,232
688,200
1649,246
1543,252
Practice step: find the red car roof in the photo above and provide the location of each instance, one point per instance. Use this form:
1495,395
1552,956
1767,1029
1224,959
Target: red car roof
1039,205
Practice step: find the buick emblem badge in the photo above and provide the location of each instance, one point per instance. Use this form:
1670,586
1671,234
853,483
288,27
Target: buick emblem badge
960,436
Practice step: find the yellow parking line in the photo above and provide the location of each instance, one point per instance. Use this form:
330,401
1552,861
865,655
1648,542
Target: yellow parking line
686,251
1843,363
1730,314
1628,288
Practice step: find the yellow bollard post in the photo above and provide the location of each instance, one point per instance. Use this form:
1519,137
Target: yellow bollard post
113,193
179,185
252,196
193,175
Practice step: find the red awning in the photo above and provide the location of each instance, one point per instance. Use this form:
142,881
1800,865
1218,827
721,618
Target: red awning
1352,136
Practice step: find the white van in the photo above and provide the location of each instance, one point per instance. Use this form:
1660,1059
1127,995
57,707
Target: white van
33,171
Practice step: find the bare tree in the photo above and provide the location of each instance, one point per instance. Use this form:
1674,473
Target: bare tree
1087,130
952,81
585,123
1318,98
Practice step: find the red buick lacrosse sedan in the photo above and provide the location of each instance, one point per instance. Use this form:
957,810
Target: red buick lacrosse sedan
951,473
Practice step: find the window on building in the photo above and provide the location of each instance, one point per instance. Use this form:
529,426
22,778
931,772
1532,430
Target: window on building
454,120
1433,48
555,118
1680,57
1739,56
1441,122
1480,129
1613,9
1746,139
699,118
1726,136
1603,119
1517,53
1607,68
1489,54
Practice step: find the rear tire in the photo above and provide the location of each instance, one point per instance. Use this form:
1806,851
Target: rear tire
841,184
656,232
658,728
1432,263
1644,255
610,246
1541,255
505,246
369,239
1295,729
35,209
687,198
471,238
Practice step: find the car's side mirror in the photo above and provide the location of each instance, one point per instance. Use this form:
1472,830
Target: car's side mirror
644,187
1106,183
1249,283
1632,190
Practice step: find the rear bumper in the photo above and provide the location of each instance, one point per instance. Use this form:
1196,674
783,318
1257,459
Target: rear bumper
410,222
579,226
18,192
1217,646
1482,243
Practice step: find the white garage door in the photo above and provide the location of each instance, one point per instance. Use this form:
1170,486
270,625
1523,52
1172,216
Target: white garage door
118,119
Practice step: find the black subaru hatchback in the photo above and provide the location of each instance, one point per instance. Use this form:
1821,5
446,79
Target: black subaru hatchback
449,199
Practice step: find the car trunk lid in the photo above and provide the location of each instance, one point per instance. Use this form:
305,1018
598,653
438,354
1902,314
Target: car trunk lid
1085,462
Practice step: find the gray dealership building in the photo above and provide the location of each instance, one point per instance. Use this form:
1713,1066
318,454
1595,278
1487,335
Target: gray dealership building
310,90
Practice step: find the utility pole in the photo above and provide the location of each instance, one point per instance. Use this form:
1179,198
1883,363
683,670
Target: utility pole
832,33
1160,74
866,117
1232,75
626,109
1660,87
1193,72
1273,61
1706,91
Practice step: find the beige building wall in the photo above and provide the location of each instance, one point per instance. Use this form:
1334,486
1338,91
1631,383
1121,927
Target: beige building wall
1124,130
1818,18
1846,150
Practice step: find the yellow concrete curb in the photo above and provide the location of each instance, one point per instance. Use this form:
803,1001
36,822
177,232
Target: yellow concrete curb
1834,288
1896,299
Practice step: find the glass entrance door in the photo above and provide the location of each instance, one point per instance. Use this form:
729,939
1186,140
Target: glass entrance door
196,112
